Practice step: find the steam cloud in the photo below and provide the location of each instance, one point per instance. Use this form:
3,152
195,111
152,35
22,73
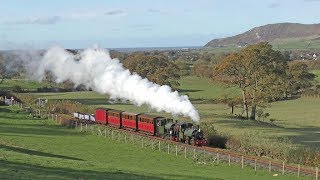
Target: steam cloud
94,68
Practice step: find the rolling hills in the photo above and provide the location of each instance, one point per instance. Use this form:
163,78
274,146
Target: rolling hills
279,33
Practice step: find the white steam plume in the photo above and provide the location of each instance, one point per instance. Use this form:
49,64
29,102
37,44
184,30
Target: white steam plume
95,69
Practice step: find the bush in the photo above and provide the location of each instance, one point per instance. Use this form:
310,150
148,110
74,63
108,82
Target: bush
68,107
306,156
217,141
17,89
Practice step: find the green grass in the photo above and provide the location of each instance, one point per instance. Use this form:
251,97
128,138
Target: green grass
40,149
317,73
296,43
205,88
9,84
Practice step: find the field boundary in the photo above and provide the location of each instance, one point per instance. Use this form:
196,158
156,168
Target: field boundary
201,155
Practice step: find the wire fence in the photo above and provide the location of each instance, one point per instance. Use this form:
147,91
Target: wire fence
310,96
200,155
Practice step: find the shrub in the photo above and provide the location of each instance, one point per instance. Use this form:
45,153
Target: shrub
217,141
306,156
17,89
68,107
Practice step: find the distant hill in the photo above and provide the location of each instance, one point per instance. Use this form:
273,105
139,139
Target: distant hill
270,33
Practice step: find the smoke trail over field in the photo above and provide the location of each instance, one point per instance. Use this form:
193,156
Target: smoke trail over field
95,69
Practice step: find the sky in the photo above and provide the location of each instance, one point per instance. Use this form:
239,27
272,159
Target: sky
140,23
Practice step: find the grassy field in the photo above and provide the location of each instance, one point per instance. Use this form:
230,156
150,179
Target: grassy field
317,73
40,149
296,43
205,88
9,84
296,120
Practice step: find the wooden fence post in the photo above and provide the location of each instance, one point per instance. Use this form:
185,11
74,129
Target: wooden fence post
142,143
242,162
152,144
218,158
176,150
194,153
168,148
60,120
112,135
159,146
283,168
105,132
317,173
269,166
255,165
185,152
229,160
298,170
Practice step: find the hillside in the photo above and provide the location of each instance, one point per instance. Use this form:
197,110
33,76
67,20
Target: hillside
270,33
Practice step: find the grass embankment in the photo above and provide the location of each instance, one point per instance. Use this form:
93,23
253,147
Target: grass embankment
41,149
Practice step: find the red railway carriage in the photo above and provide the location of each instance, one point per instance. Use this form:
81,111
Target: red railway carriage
101,115
130,120
114,118
147,123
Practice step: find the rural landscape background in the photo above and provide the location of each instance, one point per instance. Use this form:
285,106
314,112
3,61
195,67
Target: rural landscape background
257,94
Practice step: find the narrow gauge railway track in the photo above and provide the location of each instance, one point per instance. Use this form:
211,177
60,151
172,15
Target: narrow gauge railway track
229,156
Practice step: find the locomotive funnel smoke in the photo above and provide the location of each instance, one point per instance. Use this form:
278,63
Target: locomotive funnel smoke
95,69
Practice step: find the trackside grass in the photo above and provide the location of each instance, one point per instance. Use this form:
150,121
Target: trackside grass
41,149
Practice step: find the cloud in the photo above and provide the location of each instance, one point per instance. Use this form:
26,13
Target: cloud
41,21
83,15
115,12
154,10
274,5
144,27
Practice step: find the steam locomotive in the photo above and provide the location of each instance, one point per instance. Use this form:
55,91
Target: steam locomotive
148,124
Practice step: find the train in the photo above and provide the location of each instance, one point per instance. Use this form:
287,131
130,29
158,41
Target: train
158,126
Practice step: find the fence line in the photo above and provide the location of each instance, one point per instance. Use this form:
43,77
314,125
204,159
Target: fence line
199,155
310,95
